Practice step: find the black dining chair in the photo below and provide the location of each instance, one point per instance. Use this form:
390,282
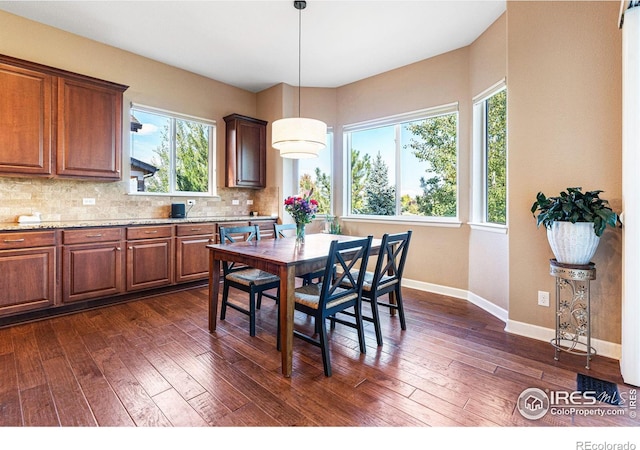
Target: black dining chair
282,230
323,300
248,279
386,279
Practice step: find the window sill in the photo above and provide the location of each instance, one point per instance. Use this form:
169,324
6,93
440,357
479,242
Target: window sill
404,220
489,227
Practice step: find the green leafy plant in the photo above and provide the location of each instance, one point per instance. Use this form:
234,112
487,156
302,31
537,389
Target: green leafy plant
573,206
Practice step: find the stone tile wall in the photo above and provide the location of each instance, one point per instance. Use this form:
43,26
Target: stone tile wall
61,200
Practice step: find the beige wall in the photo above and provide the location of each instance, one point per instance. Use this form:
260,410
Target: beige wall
564,103
150,83
489,251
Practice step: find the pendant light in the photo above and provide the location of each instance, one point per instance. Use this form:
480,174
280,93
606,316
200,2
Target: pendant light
299,137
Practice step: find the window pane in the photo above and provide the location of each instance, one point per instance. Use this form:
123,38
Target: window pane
192,157
373,189
496,158
433,144
169,155
150,152
315,173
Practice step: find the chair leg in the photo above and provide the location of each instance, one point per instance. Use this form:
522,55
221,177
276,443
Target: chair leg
324,347
225,296
259,302
403,323
360,326
376,318
252,313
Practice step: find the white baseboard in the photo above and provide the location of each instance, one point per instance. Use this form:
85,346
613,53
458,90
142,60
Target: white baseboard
604,348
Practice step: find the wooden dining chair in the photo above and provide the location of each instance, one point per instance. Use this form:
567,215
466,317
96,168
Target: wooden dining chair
386,279
282,230
325,299
248,279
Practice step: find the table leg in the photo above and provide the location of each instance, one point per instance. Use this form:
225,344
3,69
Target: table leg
214,288
287,302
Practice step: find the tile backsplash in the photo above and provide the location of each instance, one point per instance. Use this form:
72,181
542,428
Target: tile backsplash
62,200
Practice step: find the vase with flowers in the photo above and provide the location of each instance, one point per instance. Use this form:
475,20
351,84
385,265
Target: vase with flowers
303,209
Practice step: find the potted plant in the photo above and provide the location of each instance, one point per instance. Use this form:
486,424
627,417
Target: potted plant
574,220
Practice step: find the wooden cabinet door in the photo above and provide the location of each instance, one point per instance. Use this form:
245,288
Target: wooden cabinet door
92,271
149,263
246,151
25,121
27,280
89,130
192,258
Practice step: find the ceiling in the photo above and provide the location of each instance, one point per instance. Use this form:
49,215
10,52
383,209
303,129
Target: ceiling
254,44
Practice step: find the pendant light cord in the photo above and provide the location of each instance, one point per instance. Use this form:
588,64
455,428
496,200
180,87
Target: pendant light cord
299,57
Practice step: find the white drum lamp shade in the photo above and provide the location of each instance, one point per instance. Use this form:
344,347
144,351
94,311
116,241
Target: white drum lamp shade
298,137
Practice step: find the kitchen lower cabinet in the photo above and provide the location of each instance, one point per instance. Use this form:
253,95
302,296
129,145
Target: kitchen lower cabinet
27,271
92,264
45,270
192,256
150,257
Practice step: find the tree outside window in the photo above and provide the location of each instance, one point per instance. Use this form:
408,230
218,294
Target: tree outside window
315,173
406,168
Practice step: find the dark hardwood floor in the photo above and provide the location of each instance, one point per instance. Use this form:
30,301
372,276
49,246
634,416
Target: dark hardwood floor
152,363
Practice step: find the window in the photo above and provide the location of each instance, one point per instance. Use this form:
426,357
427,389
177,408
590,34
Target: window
315,173
170,153
490,156
405,165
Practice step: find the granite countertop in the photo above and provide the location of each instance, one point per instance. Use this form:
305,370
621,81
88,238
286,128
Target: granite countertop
14,226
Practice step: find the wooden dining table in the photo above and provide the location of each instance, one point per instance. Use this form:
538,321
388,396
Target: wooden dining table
283,257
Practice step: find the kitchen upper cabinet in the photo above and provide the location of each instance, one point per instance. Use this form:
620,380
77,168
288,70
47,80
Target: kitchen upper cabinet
246,146
55,123
89,133
25,121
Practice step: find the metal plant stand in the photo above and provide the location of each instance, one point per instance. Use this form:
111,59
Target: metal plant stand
573,309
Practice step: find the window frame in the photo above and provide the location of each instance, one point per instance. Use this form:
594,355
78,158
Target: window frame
479,213
212,191
397,120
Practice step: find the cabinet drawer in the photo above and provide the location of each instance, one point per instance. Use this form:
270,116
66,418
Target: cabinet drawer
86,236
196,229
27,239
162,231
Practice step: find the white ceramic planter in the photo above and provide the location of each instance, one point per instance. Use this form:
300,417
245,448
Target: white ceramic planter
573,243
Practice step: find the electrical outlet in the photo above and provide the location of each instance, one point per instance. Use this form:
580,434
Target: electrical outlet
88,201
235,202
191,202
249,202
543,298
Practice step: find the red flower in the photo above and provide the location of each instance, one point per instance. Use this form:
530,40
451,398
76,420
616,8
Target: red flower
314,202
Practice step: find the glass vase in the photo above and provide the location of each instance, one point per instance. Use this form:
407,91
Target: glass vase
300,232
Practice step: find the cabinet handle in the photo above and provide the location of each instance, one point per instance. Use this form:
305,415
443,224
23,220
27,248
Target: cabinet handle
130,248
10,241
94,235
196,229
118,249
151,232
